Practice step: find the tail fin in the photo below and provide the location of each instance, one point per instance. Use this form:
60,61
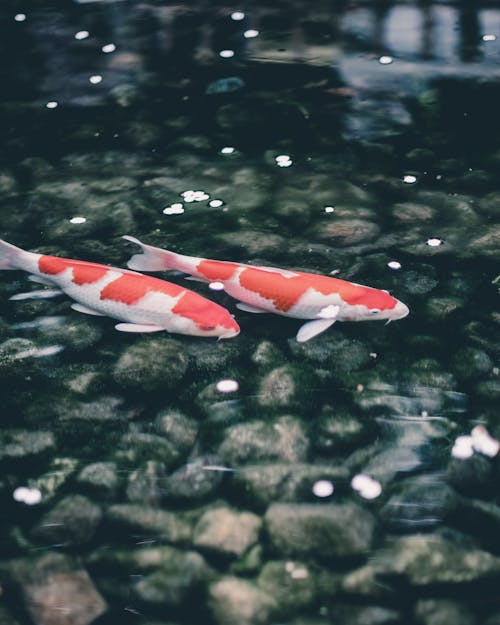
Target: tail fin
9,255
152,258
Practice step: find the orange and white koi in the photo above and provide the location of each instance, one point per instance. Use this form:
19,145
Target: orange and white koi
321,299
142,303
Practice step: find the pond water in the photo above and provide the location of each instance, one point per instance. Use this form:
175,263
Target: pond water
166,479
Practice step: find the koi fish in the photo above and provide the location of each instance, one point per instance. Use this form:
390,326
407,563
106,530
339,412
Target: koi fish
143,303
321,299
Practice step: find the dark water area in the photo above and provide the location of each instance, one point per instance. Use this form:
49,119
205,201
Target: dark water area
166,479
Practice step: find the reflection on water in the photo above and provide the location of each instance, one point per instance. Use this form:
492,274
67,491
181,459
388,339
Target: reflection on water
173,480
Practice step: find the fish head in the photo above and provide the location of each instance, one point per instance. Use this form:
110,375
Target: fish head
209,319
375,305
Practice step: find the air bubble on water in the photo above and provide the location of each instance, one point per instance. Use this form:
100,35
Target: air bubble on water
20,17
226,54
95,79
366,486
216,286
227,386
77,220
409,179
82,34
323,488
237,16
394,264
385,60
52,104
251,33
434,242
109,47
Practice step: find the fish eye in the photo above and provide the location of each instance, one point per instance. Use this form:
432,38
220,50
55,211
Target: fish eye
374,311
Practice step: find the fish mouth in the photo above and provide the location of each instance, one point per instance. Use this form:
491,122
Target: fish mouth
401,310
229,335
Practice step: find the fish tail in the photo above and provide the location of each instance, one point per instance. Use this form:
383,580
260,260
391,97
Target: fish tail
10,255
152,258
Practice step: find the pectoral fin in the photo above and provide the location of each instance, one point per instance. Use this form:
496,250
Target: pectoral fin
137,327
313,328
87,311
40,280
41,294
250,309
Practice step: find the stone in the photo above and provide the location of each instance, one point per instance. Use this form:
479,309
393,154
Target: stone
319,531
293,585
72,522
178,428
136,447
174,580
171,527
470,363
440,308
443,612
226,531
422,503
232,600
197,480
100,478
347,232
16,445
145,484
51,482
151,365
346,614
339,430
339,355
266,354
75,334
282,439
412,213
260,485
422,560
279,388
54,581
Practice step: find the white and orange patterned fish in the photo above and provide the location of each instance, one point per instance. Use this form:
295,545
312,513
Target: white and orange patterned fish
143,303
321,299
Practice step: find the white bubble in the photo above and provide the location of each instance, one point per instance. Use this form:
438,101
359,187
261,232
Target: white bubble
109,47
20,17
434,242
366,486
29,496
409,179
174,209
385,60
82,34
329,209
462,448
237,16
227,150
226,54
227,386
283,160
483,442
215,203
251,33
323,488
216,286
489,37
194,196
95,79
394,264
52,104
77,220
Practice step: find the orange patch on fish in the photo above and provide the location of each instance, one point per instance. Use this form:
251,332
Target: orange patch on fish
216,270
52,265
129,288
207,315
285,292
83,272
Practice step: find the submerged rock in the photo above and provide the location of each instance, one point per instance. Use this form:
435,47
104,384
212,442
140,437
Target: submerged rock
18,445
227,531
283,439
54,580
197,480
422,560
151,365
101,478
232,600
443,612
319,531
260,485
170,526
71,523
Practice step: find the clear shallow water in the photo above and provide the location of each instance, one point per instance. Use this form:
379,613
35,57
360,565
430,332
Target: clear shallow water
169,479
